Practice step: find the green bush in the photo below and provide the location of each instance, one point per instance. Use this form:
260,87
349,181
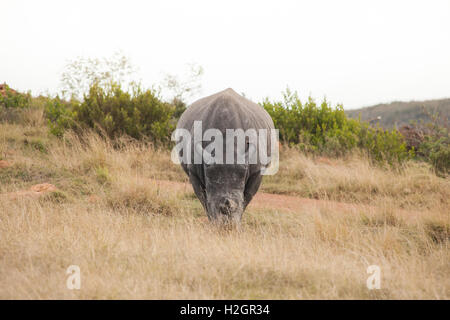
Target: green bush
327,130
60,116
14,99
383,145
435,148
20,108
114,112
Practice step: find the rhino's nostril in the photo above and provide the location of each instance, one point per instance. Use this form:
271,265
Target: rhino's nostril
227,206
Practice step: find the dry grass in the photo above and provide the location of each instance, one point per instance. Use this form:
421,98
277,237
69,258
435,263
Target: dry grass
354,179
135,238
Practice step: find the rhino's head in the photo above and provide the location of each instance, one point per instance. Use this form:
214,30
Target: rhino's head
225,189
224,192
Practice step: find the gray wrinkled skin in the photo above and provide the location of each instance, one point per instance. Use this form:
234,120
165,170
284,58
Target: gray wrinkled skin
225,190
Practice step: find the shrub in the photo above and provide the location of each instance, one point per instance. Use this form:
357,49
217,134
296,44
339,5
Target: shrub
12,99
60,116
430,140
435,148
383,145
327,130
114,112
21,108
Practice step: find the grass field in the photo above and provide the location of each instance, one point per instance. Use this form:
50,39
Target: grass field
128,219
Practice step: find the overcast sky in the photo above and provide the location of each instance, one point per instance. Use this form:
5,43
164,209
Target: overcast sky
353,52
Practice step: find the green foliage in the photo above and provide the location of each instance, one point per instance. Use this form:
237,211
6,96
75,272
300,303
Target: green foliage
20,108
180,107
14,99
327,130
383,145
114,112
435,147
60,115
37,144
102,175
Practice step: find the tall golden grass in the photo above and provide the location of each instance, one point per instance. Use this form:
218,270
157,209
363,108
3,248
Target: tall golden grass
134,237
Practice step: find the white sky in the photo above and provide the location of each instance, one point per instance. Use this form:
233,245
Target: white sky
353,52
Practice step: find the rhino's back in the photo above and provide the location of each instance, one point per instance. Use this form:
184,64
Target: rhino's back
226,110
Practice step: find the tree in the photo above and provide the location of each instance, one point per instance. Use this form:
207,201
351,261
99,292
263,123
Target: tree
81,73
183,88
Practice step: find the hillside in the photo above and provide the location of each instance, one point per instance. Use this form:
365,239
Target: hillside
402,112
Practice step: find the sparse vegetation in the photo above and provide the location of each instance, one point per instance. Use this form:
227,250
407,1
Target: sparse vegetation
117,206
11,99
354,179
136,235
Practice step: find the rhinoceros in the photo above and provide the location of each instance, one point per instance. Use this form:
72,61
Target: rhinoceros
225,188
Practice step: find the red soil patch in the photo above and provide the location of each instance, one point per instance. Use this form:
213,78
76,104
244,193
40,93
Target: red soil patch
34,192
288,203
4,164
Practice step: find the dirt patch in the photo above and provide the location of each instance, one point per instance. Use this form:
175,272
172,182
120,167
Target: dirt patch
35,191
291,203
4,164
